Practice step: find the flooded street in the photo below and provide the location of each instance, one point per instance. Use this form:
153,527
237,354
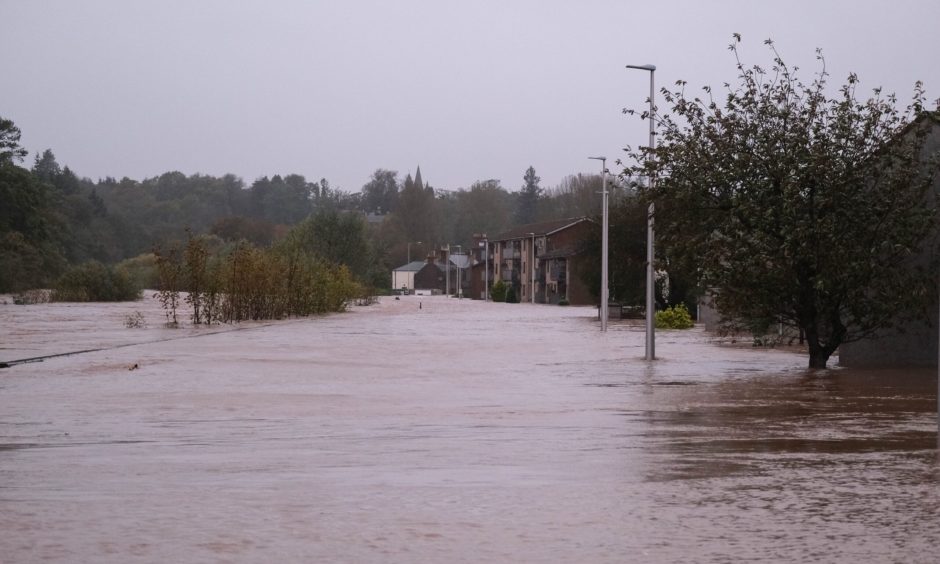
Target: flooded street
457,432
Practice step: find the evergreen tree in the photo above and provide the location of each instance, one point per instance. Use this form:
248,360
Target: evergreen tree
10,150
528,200
45,167
29,253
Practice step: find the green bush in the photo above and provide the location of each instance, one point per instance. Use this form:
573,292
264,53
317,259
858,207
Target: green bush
498,291
676,317
563,302
142,270
511,297
94,282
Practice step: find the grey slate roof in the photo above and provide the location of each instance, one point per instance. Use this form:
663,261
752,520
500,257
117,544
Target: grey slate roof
413,266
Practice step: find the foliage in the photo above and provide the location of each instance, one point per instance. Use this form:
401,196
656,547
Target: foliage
627,268
26,264
528,201
285,200
251,283
380,194
94,282
135,321
235,228
142,270
794,206
31,297
334,237
511,297
170,277
30,254
417,210
676,317
575,196
484,208
201,289
498,291
10,150
51,217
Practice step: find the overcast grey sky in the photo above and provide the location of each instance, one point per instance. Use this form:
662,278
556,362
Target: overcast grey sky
468,90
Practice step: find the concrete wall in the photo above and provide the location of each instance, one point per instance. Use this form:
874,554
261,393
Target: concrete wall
707,314
403,279
917,346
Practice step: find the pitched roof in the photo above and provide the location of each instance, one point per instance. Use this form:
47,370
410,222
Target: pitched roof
539,229
413,266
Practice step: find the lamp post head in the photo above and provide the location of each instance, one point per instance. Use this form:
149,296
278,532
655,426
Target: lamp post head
650,68
599,158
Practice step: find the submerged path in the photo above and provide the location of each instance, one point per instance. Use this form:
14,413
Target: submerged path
457,432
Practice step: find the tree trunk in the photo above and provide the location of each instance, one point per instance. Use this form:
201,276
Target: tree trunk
818,354
818,358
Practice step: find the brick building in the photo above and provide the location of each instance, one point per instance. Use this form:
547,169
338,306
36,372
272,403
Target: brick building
542,262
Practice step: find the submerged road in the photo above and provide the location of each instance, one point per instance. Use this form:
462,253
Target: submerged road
457,432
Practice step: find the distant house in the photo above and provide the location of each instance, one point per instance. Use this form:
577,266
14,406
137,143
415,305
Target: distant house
430,275
403,277
375,218
540,261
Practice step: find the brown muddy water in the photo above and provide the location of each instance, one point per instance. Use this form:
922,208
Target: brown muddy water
458,432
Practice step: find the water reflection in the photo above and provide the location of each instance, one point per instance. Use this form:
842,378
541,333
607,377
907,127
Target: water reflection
834,413
838,466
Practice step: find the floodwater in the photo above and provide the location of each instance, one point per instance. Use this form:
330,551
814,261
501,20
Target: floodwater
450,431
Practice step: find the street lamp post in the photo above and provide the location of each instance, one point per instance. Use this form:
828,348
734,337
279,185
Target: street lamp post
532,270
458,289
486,269
447,270
650,274
603,309
409,250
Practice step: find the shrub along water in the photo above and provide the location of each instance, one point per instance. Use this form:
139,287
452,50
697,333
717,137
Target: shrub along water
250,283
94,282
676,317
142,269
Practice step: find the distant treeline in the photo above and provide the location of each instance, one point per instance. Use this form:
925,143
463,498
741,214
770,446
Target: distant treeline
51,218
